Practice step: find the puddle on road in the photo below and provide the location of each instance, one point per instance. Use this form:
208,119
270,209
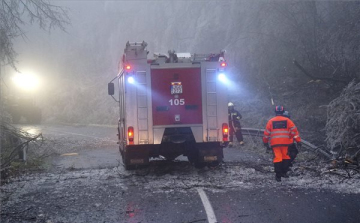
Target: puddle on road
31,130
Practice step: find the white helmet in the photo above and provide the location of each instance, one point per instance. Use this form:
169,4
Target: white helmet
230,104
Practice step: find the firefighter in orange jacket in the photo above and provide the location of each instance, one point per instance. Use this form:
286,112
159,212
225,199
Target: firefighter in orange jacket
281,132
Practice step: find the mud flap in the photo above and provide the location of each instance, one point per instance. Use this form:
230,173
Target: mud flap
210,154
135,156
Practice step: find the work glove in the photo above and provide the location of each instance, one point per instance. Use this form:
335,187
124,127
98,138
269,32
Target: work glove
298,145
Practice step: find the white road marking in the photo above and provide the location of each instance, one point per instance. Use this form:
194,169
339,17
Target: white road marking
207,205
69,154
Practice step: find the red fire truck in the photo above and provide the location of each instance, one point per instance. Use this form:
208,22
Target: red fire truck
171,105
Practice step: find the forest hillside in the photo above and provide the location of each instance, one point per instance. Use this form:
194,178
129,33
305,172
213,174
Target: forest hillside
299,54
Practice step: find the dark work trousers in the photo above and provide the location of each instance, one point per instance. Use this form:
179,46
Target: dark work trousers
238,133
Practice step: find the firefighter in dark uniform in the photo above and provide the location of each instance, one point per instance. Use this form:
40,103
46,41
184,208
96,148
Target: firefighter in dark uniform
234,124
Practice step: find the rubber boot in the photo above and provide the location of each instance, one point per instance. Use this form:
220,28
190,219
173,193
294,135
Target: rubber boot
285,168
278,171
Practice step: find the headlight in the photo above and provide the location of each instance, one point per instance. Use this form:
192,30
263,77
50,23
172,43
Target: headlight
28,82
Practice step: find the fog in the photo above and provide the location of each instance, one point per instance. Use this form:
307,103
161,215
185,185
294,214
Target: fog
75,66
260,39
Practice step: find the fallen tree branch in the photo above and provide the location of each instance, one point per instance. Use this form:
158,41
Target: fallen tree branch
342,126
14,145
335,173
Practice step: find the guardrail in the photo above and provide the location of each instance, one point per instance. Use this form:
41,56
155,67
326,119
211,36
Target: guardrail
308,145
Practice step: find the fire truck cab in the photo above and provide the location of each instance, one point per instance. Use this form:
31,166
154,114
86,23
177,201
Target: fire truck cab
171,105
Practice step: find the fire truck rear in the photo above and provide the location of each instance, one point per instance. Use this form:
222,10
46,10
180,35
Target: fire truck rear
172,105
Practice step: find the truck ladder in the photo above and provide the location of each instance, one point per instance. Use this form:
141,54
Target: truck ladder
142,107
211,105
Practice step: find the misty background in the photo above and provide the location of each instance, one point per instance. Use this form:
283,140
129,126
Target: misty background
261,39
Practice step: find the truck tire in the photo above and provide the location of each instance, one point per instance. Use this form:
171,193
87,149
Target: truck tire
193,157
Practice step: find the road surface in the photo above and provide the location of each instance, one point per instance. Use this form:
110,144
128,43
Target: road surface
85,182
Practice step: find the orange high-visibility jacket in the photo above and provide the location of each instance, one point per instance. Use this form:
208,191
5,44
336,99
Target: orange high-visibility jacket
281,131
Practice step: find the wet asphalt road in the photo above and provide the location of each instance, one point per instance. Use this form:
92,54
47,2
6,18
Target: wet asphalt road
87,183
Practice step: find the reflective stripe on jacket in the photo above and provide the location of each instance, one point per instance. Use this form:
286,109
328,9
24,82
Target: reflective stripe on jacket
280,131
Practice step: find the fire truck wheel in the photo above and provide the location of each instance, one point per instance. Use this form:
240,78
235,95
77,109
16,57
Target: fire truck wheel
194,159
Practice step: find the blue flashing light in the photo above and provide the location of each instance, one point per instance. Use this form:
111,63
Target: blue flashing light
131,80
222,77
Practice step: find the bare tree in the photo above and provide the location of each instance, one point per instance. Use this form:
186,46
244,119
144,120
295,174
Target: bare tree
326,36
15,14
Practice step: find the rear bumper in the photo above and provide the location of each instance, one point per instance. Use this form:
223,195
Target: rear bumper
205,152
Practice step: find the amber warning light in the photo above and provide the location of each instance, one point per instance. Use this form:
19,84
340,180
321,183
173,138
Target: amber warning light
131,134
225,131
127,67
223,64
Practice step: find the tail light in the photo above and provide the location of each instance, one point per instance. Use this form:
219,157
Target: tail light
223,64
127,67
131,135
225,131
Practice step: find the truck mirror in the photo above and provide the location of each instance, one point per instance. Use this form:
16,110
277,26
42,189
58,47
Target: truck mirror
111,88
